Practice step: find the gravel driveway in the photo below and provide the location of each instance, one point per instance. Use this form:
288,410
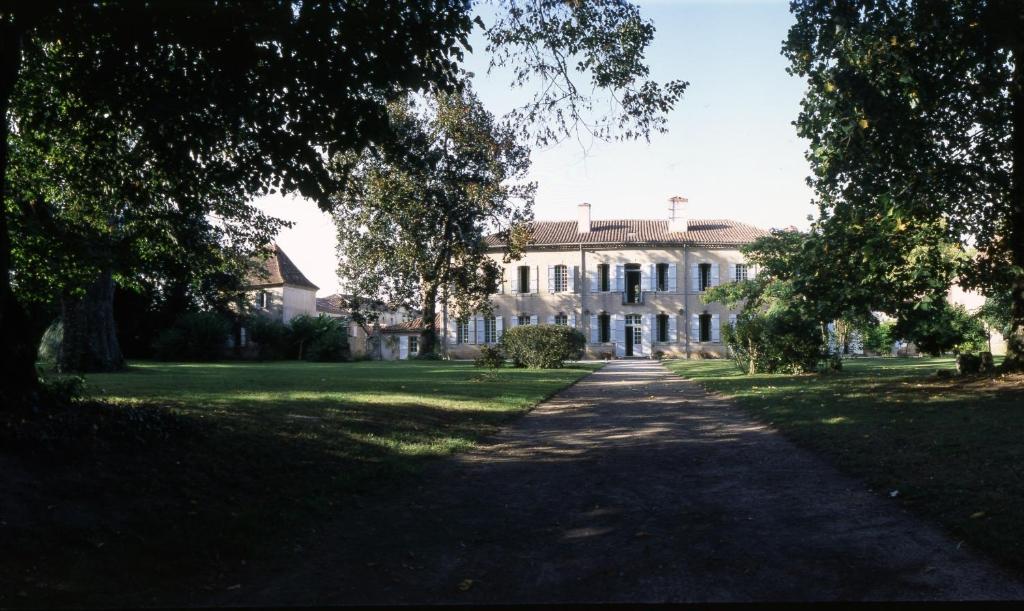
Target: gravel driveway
633,485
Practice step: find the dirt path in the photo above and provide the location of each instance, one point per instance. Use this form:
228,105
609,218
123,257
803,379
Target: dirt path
632,486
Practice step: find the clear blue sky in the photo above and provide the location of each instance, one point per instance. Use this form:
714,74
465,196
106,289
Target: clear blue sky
731,148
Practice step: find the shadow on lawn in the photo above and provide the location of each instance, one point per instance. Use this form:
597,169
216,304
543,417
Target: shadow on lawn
186,501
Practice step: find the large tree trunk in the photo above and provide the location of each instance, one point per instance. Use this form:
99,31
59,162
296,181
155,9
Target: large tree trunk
90,335
1015,342
21,335
428,337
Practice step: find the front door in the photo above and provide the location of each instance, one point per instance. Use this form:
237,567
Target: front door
629,341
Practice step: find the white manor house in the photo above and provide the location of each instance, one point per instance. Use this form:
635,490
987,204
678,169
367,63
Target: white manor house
632,286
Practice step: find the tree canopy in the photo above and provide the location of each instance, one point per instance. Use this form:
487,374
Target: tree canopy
413,229
914,112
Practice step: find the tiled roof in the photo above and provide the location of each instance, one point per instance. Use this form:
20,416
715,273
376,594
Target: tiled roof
332,304
702,232
341,304
278,270
409,326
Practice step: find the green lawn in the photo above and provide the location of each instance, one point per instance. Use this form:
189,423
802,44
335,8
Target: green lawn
951,448
202,468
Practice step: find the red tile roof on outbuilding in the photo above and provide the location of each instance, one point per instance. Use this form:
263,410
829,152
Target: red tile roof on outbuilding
640,232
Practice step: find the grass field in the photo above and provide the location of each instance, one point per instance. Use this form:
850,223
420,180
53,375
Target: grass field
950,449
200,469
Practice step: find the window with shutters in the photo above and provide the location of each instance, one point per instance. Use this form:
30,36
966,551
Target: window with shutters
490,330
704,281
604,282
524,278
561,319
705,327
414,344
662,271
263,300
604,328
561,278
462,332
662,328
524,319
741,272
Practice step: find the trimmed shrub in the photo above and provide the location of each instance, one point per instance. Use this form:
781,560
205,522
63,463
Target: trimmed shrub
490,357
542,346
195,336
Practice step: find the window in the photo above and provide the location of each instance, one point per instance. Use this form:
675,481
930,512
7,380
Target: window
741,272
704,281
561,319
263,299
490,330
604,324
462,332
524,320
662,270
662,328
603,278
524,278
705,327
414,344
635,321
561,278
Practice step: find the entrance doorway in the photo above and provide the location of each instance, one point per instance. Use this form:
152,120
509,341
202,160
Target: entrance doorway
634,335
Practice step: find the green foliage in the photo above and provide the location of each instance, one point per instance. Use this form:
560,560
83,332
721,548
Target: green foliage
780,340
542,346
64,388
491,357
879,338
195,336
270,336
550,41
997,312
943,328
912,112
317,338
423,217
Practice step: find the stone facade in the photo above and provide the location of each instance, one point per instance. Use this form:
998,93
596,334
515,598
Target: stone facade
634,299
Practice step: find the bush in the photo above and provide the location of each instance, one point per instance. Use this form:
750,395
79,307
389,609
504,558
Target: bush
542,346
195,336
270,336
490,357
318,338
943,328
779,341
879,338
64,388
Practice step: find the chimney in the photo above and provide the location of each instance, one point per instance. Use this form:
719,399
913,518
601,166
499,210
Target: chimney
677,220
583,218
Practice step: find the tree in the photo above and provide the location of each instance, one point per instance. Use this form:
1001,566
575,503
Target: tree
412,230
915,116
248,96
